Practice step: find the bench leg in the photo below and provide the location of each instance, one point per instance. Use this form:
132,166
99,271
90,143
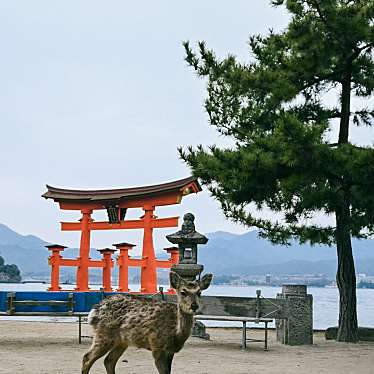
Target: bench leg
79,329
244,336
266,336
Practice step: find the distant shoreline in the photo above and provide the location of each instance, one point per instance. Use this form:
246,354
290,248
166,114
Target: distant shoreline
361,285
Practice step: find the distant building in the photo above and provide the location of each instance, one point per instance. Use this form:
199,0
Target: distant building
268,279
369,279
360,277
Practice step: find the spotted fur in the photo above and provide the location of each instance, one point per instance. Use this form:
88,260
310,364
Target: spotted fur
121,321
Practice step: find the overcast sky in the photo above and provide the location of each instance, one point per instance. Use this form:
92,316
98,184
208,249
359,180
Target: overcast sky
96,94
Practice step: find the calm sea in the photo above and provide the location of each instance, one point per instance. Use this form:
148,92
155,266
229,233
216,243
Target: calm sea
325,308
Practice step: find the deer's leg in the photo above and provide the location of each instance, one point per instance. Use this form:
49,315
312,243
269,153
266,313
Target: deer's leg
170,357
112,358
97,350
161,362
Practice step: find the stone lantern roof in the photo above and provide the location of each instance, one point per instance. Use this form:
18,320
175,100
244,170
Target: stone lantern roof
188,234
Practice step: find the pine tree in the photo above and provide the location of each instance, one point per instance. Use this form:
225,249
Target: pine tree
277,110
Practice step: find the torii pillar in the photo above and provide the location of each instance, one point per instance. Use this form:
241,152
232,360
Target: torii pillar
123,265
84,253
149,271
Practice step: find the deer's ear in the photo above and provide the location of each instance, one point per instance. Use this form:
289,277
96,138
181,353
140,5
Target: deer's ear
175,280
205,281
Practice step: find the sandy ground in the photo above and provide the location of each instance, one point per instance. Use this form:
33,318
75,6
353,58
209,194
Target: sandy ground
52,348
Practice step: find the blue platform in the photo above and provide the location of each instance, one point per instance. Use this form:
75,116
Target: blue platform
82,301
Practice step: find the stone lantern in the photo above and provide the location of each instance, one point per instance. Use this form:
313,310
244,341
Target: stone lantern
187,240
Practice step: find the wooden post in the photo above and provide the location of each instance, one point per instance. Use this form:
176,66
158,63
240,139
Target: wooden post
148,276
84,251
54,261
174,255
123,265
107,268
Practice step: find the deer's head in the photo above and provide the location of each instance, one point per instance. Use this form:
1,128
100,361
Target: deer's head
189,293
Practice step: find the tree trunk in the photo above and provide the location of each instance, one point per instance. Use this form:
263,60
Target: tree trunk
345,108
346,279
346,274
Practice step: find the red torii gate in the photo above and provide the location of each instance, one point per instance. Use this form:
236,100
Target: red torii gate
116,202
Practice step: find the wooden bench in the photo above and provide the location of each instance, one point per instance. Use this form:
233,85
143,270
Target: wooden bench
12,304
244,321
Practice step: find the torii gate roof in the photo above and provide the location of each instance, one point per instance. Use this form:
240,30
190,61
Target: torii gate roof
183,186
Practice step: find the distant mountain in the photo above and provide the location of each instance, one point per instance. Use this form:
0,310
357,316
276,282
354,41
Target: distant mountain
225,253
10,237
28,252
300,267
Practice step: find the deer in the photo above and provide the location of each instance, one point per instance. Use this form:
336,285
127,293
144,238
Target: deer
161,327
